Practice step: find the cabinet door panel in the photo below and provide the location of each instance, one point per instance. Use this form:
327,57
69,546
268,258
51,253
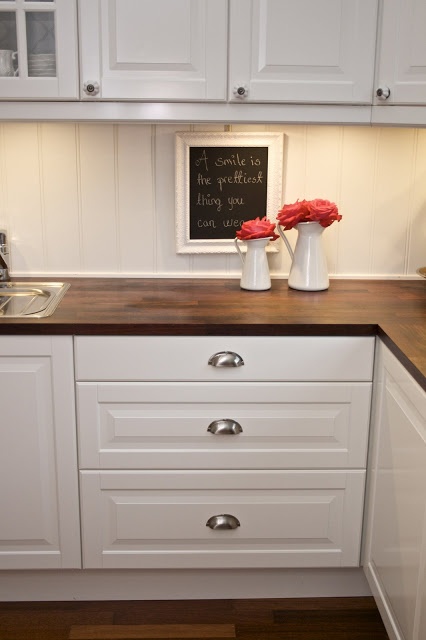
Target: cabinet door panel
402,53
149,425
158,519
29,510
400,506
400,510
305,51
162,50
39,524
395,540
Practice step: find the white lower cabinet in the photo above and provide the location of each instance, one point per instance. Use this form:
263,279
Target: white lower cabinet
39,525
395,548
211,452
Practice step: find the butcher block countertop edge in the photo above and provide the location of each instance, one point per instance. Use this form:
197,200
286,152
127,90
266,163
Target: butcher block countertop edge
395,310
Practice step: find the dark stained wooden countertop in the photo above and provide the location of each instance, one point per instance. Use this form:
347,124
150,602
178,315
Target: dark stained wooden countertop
393,309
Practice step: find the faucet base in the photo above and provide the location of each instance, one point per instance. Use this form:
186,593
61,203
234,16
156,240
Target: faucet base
4,251
4,276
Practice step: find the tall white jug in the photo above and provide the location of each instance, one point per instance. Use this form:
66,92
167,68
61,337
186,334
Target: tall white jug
308,270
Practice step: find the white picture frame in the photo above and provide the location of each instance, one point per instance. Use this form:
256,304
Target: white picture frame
269,143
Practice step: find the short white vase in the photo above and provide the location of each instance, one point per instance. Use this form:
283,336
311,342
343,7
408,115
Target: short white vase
255,273
308,270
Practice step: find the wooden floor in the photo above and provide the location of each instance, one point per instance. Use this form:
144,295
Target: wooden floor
290,619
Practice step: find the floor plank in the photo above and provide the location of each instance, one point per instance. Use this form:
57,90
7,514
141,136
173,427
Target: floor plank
262,619
176,612
280,632
131,632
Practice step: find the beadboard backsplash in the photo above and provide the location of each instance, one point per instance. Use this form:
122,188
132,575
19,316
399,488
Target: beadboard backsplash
99,199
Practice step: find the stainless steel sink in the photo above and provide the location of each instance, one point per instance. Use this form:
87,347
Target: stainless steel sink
30,299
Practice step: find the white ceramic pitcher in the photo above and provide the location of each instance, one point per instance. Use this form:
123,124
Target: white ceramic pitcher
7,56
308,270
255,274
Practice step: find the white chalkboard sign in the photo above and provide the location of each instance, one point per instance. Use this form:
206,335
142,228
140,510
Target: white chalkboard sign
222,180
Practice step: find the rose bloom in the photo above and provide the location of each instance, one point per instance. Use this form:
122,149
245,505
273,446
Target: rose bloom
323,211
291,214
257,228
318,210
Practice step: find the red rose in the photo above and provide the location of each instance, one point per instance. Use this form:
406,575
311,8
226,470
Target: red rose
323,211
330,219
292,214
257,228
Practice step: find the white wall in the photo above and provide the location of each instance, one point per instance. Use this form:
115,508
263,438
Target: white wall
98,199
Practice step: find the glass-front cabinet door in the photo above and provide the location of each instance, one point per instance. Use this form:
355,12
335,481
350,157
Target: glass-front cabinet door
38,49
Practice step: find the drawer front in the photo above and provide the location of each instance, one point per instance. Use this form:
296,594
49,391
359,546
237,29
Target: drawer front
285,358
222,426
279,519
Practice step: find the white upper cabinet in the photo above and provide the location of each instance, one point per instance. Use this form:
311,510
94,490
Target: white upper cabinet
401,60
145,50
336,61
308,51
38,49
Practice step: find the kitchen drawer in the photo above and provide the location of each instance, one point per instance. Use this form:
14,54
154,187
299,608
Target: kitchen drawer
148,519
273,425
309,358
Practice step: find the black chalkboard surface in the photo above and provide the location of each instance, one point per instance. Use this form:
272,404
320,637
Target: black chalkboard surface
227,185
222,180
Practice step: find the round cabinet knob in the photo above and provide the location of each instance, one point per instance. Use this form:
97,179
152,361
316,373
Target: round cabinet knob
225,427
91,88
222,522
240,91
383,93
226,359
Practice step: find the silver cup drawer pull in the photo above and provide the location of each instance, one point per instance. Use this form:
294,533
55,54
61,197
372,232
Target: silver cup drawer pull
226,359
223,521
225,427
